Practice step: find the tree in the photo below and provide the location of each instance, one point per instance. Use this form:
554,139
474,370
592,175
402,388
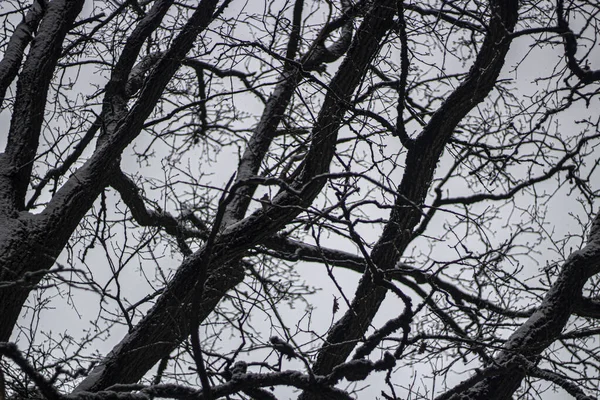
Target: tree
420,145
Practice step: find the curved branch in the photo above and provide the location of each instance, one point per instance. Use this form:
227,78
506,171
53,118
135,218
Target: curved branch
585,75
166,325
20,38
542,328
266,130
421,161
292,250
30,99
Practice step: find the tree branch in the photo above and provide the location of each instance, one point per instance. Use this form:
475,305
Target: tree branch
15,49
421,161
30,99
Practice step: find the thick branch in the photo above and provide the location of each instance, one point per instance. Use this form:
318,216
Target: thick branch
421,161
20,38
266,130
116,96
541,329
586,75
166,325
48,232
30,100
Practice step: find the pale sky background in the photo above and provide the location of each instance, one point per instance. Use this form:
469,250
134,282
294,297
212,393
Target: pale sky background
66,318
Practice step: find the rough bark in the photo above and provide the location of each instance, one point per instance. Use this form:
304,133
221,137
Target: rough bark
15,50
32,242
274,112
422,158
30,100
523,348
166,321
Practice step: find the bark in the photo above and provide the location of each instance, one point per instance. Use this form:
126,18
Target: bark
15,50
24,246
274,111
422,158
31,243
168,320
30,100
525,345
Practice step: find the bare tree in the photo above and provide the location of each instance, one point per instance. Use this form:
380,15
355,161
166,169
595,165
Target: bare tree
428,148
